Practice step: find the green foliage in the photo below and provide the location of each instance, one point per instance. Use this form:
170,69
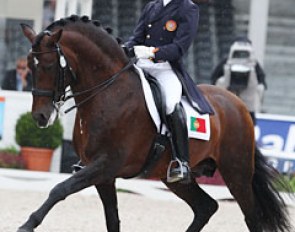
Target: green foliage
10,150
292,183
285,183
29,135
10,158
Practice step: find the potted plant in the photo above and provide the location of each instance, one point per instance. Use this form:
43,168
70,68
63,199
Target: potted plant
37,145
10,158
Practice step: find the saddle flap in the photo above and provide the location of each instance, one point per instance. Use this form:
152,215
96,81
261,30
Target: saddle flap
158,96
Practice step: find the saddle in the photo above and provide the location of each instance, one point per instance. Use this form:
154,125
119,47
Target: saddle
161,140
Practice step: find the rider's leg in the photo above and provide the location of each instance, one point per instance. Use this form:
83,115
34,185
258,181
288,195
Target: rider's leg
172,91
178,128
176,119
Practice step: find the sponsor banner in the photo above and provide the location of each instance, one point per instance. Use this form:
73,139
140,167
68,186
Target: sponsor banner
275,135
2,102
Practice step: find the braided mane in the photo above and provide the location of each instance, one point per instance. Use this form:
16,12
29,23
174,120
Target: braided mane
72,19
88,27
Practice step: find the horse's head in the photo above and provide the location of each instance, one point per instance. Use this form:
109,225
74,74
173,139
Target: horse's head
70,51
49,69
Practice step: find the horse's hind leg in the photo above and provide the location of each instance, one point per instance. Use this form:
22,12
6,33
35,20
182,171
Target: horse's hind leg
108,196
200,202
238,179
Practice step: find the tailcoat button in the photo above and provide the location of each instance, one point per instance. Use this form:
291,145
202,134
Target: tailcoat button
148,36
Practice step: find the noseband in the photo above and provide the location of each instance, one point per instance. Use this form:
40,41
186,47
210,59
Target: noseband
59,95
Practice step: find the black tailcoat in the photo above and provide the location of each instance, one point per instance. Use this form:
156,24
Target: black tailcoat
172,29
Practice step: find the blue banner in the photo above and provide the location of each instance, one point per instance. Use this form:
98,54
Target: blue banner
277,134
2,102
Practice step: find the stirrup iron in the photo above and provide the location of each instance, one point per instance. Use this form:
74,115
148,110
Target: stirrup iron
180,176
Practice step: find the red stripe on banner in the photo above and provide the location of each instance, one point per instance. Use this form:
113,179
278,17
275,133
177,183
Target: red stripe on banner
2,99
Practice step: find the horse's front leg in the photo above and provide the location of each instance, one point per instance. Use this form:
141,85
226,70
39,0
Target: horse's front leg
94,173
108,196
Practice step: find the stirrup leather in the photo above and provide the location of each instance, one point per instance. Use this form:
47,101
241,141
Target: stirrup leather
180,176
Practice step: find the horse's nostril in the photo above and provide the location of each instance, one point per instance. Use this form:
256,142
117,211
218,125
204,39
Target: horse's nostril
40,118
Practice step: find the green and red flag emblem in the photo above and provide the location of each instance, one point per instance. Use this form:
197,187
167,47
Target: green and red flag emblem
198,124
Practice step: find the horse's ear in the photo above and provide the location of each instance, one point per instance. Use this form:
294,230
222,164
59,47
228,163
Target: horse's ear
28,32
55,37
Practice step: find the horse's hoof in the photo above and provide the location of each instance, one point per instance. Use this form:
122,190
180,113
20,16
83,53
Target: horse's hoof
24,230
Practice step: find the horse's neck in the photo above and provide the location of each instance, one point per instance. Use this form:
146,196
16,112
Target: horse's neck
120,102
91,65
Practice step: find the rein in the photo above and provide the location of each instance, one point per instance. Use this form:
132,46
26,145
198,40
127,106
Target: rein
59,95
100,87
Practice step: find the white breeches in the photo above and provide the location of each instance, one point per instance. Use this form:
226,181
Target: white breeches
169,82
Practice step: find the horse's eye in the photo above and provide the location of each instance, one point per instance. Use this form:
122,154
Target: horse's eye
48,67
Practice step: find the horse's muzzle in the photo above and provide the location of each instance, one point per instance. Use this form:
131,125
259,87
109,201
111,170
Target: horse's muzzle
44,120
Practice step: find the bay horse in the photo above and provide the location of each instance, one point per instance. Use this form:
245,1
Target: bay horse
113,130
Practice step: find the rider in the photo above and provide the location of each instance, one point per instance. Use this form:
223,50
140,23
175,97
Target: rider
162,36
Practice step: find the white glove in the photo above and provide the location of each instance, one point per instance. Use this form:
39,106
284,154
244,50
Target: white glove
143,52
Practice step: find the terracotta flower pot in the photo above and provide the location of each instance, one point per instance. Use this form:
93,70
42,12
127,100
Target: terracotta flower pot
37,159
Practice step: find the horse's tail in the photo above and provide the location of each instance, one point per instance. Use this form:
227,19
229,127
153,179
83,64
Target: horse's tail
271,208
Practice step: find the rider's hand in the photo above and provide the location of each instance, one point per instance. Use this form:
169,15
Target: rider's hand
143,52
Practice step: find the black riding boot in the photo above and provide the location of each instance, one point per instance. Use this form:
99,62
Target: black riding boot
179,169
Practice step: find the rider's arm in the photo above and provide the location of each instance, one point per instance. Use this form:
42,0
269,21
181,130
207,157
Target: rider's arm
138,36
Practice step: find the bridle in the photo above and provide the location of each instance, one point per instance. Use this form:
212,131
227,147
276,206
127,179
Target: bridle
59,94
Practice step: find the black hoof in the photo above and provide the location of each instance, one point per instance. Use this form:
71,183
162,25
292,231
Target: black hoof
24,230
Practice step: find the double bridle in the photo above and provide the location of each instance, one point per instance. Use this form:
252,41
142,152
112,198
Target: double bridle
59,94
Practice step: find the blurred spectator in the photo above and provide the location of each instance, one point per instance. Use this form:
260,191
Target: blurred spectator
19,79
48,12
241,74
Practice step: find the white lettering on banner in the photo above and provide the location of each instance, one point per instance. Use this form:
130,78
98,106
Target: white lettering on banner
274,142
257,132
273,162
290,140
288,165
277,142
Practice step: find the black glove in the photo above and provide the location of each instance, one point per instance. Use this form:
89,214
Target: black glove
128,51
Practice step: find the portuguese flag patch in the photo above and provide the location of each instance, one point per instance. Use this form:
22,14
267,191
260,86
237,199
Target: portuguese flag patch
198,124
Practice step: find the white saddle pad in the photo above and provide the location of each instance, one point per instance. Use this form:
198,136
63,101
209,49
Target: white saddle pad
198,124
